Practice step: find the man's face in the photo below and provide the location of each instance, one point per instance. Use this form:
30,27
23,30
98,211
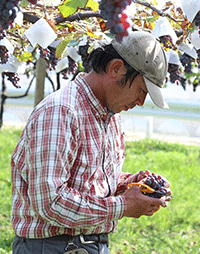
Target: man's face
127,97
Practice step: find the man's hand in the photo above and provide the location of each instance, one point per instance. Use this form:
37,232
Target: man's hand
139,204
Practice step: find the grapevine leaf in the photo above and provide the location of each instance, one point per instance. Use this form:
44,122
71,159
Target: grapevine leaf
154,2
26,56
91,34
24,3
93,5
61,48
152,19
69,7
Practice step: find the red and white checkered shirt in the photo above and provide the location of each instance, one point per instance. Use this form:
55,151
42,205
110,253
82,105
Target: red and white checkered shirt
66,168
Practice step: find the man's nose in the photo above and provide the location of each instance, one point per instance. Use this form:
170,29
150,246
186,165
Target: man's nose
140,101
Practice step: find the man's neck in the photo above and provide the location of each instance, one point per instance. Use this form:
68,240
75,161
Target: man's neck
96,83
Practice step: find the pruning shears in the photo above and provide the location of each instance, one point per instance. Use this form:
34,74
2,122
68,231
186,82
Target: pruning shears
146,188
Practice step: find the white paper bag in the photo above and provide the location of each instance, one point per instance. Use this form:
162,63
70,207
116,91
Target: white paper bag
41,33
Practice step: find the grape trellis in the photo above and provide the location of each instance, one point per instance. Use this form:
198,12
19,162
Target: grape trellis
79,26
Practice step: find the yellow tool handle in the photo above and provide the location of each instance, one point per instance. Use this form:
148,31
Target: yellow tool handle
146,189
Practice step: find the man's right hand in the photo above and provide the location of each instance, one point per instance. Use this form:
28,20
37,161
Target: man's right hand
139,204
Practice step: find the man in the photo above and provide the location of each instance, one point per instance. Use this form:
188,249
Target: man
69,190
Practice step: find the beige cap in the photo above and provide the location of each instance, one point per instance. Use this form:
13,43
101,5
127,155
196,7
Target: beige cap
144,53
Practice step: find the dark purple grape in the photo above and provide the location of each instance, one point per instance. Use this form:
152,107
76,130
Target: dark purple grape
185,59
49,55
197,19
13,78
157,183
174,72
32,1
3,54
148,182
188,68
195,86
117,20
71,69
183,82
166,40
8,12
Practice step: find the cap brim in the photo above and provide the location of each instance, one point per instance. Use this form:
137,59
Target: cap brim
156,94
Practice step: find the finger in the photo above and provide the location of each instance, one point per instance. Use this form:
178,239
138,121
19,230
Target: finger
158,202
141,175
168,198
150,213
155,208
165,200
134,178
167,183
169,192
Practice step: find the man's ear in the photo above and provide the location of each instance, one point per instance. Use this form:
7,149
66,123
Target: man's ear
116,68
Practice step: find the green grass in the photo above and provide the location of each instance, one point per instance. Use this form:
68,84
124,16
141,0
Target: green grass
174,229
8,140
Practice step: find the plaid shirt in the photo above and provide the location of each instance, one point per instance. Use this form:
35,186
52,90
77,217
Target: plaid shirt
66,167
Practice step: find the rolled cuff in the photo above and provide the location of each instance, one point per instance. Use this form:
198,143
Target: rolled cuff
117,208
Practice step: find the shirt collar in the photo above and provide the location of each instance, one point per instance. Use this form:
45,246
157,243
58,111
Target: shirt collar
98,107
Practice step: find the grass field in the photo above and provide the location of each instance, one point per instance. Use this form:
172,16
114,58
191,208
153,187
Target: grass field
175,229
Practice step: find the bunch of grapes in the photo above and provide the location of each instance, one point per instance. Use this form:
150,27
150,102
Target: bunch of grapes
71,69
2,34
186,59
52,61
114,11
195,86
44,53
166,41
175,75
183,82
83,52
49,55
156,182
198,58
8,12
174,72
65,73
33,1
72,65
13,78
188,68
3,54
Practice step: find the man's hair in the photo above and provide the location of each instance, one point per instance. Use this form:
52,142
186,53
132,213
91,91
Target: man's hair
100,57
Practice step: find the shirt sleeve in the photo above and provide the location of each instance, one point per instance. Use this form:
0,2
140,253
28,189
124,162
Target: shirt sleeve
53,143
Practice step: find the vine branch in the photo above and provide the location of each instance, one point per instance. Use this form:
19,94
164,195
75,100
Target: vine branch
77,16
91,14
160,13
